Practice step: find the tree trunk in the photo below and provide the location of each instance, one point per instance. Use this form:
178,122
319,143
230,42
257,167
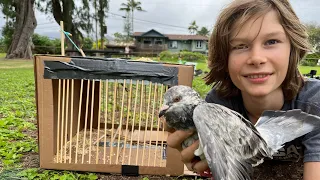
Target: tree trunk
64,13
24,27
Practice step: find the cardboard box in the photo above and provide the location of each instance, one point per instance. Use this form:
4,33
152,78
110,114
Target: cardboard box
76,134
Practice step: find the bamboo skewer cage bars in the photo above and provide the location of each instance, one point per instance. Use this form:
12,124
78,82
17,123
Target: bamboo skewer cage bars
101,115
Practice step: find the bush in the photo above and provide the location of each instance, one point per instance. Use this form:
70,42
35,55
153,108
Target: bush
168,56
44,45
185,56
310,60
192,56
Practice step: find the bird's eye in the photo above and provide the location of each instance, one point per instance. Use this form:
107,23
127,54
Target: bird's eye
177,99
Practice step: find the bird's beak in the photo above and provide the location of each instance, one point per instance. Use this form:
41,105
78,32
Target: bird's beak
163,110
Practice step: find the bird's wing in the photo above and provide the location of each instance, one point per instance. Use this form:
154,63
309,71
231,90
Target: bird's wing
279,127
230,142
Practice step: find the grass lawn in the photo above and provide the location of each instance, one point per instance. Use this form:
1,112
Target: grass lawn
19,158
2,55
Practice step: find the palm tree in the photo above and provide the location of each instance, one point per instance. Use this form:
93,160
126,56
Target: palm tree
131,5
193,28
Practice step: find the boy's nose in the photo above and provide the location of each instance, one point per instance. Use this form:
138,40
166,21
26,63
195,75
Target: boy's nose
257,57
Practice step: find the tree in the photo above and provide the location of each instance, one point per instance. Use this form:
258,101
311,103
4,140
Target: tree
131,5
314,36
193,28
120,38
24,24
76,19
103,8
203,32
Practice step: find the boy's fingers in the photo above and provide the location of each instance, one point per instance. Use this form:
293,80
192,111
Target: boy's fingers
176,138
188,153
200,166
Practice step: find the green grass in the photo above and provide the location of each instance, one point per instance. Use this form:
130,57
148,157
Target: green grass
17,113
2,55
306,69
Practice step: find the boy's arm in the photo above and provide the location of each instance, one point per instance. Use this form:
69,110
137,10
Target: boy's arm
311,171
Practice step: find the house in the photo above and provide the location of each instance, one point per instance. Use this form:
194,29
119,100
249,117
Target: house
154,41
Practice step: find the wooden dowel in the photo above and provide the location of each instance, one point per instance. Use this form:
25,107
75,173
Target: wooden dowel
71,119
97,150
133,120
151,123
91,119
79,118
62,117
105,122
86,121
58,119
67,118
120,120
147,120
158,126
127,121
163,134
139,128
113,116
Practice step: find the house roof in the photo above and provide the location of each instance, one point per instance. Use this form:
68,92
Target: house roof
174,36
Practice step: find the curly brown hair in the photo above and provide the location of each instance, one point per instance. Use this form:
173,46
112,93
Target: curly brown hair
234,16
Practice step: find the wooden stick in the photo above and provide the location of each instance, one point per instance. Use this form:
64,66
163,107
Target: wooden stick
166,88
91,119
71,119
147,120
127,121
97,150
120,120
113,116
62,117
58,125
67,118
133,121
158,126
79,118
152,116
141,100
62,38
86,121
105,123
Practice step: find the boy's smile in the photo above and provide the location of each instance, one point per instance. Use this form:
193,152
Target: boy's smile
259,56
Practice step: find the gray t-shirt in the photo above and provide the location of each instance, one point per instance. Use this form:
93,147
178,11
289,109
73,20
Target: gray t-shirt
308,100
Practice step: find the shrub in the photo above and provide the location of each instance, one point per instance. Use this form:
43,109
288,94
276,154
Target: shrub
192,56
168,56
185,56
310,60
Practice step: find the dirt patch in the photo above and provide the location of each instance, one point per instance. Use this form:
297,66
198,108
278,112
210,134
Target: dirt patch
30,160
277,170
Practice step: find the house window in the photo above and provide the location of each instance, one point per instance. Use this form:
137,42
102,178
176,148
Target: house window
173,44
199,44
158,41
147,41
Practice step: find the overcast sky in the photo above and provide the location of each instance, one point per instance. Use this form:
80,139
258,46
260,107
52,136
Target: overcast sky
171,17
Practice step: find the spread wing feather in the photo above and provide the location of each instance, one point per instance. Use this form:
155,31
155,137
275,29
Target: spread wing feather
231,144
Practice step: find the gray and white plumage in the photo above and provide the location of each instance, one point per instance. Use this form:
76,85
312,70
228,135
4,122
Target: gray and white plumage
232,145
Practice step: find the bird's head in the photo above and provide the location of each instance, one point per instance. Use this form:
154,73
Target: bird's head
178,105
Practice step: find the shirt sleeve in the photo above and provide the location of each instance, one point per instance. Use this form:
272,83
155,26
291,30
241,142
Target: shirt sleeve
311,142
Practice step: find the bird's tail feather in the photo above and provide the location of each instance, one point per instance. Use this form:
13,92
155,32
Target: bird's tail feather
279,127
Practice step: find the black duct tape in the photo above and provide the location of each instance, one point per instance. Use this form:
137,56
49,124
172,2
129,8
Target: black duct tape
110,68
128,170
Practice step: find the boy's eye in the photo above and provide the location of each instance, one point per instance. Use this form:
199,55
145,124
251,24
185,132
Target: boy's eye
240,46
272,41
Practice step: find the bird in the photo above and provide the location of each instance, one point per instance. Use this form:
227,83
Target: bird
230,143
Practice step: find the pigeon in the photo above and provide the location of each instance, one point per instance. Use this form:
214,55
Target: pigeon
230,143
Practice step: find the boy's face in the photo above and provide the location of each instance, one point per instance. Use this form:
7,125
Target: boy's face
259,56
